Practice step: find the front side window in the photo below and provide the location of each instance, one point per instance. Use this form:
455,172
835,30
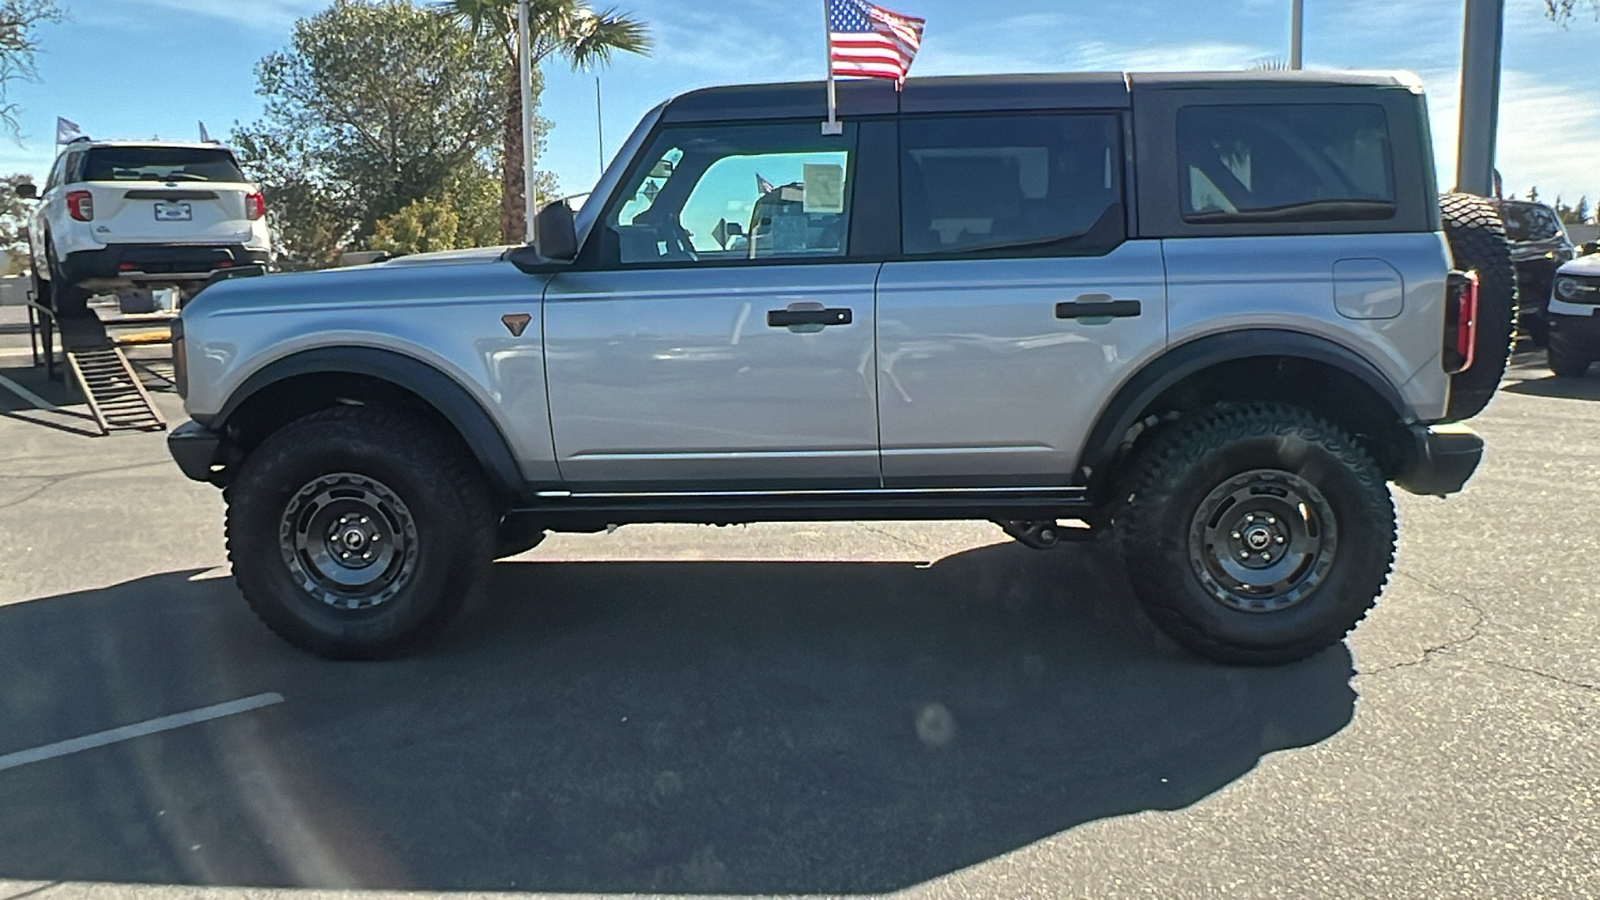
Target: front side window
160,164
734,193
1011,185
55,173
1311,162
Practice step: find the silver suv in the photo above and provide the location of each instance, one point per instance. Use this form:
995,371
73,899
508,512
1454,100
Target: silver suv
1212,315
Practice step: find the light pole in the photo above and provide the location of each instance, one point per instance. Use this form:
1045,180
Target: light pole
1297,33
525,64
1482,39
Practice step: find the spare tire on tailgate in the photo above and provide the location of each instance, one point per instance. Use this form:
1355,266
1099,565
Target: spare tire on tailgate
1478,243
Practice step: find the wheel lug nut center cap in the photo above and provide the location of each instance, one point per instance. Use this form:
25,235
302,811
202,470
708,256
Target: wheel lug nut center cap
1258,538
353,539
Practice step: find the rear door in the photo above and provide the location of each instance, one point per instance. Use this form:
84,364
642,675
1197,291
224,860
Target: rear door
177,195
716,334
1018,305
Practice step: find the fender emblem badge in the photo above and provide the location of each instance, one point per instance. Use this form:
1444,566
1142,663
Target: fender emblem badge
516,323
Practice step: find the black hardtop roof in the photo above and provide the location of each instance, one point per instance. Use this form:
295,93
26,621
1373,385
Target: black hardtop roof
976,93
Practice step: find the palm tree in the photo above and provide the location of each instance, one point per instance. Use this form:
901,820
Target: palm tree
567,28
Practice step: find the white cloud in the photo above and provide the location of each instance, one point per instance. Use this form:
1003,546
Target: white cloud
1546,137
266,15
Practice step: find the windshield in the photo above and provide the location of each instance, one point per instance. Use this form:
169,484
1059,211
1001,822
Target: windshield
160,164
1529,222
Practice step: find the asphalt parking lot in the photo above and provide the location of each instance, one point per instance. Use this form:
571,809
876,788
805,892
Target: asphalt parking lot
859,708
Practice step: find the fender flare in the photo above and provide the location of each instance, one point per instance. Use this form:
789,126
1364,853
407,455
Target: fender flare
1186,359
447,397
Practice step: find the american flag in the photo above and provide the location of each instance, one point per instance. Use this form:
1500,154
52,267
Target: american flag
870,41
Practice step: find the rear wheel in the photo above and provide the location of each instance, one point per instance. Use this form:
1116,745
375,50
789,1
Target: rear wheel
68,300
1478,244
1257,534
358,532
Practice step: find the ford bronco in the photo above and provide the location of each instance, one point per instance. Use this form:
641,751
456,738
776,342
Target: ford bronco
1210,316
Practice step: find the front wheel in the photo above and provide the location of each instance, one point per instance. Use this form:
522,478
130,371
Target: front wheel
1257,534
358,532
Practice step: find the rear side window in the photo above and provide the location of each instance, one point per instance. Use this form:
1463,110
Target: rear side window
160,164
1285,163
1011,185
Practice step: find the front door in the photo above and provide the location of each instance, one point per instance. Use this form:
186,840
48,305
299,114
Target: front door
714,334
1018,305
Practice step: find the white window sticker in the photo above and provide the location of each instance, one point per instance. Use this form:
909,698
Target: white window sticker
824,188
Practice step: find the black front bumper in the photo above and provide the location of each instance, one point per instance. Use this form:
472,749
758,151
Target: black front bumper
1583,330
158,259
195,448
1443,457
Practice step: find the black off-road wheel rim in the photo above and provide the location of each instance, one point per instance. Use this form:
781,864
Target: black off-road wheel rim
1262,541
349,541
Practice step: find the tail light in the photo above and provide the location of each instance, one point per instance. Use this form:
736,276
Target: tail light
80,206
255,206
1460,321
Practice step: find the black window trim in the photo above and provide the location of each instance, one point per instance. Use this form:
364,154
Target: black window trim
1155,115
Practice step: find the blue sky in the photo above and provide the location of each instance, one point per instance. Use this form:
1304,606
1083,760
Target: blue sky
143,68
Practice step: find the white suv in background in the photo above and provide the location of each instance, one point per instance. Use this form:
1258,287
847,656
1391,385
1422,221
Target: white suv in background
123,217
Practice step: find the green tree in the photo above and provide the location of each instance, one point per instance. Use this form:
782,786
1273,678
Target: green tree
1565,10
569,29
13,226
374,105
467,214
19,42
1573,215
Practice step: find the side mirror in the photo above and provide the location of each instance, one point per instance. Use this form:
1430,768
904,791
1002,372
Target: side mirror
1589,248
555,235
725,232
27,190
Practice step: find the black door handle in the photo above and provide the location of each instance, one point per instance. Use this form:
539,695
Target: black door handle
1112,309
786,318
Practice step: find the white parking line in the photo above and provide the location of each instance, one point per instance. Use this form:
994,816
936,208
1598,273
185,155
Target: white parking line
27,395
140,729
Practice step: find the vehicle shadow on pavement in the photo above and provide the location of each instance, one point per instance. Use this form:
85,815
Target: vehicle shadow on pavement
726,727
1587,388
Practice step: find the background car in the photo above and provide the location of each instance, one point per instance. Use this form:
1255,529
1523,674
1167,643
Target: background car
1539,246
1575,317
120,217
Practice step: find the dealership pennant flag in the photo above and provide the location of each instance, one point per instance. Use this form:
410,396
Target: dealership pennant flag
67,131
868,41
205,136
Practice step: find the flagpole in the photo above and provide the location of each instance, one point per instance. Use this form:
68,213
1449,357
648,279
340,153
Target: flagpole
525,63
832,126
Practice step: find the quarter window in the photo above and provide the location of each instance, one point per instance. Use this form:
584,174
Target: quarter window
737,193
1011,185
1285,163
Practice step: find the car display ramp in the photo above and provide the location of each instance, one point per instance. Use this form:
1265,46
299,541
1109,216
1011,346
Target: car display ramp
116,396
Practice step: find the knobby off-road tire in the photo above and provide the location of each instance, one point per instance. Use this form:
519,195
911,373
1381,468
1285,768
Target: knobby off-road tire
1274,483
1566,356
359,532
1478,244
